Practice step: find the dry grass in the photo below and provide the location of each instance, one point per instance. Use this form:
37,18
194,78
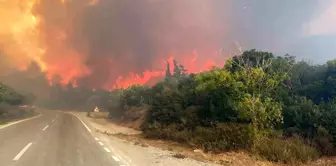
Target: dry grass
238,158
227,158
290,151
233,158
324,161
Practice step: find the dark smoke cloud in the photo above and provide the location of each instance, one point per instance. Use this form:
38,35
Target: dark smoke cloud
139,33
116,37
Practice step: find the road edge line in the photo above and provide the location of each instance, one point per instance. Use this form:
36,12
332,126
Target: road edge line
82,122
16,122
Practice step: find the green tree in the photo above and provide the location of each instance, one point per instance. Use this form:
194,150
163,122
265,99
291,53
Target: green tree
134,95
179,70
168,74
10,96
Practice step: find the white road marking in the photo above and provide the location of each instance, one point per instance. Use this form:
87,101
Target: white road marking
17,157
45,128
54,119
13,123
126,160
97,139
115,158
83,123
107,150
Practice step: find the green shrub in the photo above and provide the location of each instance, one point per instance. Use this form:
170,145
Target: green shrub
4,107
15,113
9,113
323,141
223,137
286,151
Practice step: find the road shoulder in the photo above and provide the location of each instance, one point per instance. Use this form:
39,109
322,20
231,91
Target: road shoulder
141,154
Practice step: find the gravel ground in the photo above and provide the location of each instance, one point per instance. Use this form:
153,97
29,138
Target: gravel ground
136,155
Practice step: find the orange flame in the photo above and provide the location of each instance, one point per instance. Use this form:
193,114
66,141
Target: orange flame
26,38
192,65
19,33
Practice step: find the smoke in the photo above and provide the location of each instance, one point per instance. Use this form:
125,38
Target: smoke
135,35
105,42
272,24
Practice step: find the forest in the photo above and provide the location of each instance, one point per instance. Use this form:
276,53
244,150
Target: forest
275,107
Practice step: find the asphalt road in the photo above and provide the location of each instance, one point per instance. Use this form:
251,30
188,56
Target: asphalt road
52,139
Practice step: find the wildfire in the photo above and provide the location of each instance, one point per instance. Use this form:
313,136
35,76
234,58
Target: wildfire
192,65
19,33
31,31
136,79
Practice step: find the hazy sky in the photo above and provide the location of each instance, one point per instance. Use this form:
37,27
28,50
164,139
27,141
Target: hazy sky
304,28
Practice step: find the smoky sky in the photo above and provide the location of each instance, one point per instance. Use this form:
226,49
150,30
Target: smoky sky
272,24
278,26
116,37
127,36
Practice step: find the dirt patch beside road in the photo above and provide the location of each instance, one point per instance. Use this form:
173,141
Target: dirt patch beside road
228,158
105,125
146,152
134,152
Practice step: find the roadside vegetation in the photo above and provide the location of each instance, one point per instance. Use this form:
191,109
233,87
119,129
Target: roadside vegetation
11,105
277,108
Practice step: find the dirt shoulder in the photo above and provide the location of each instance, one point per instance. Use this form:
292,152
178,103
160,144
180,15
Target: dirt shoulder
137,149
134,152
164,153
106,125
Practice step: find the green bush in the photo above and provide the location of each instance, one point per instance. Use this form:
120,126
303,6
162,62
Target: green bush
327,119
9,113
223,137
323,141
15,113
4,107
285,150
